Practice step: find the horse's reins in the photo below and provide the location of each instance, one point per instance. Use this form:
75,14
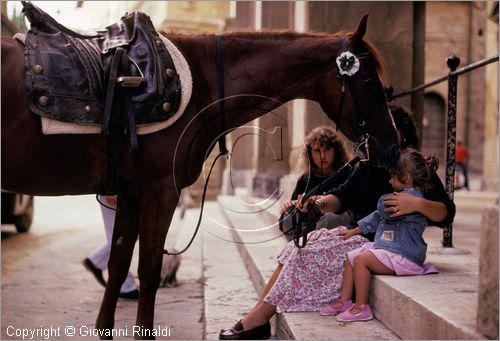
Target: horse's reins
298,219
222,138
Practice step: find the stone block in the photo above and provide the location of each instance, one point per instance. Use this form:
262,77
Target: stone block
487,310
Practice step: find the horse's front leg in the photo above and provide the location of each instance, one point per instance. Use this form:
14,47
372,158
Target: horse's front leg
125,234
156,211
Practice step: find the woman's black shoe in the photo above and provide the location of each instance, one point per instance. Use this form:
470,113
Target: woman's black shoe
131,295
87,263
262,332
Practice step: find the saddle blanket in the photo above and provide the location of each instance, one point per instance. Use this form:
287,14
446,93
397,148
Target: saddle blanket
53,127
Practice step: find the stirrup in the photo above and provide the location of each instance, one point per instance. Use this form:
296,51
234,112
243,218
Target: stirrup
130,81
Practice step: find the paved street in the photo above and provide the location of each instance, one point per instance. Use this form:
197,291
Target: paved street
44,284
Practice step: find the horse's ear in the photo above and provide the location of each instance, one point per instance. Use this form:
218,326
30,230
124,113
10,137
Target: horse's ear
357,36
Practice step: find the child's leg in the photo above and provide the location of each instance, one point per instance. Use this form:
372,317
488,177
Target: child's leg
344,302
347,281
365,265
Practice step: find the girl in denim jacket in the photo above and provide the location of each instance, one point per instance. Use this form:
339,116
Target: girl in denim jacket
398,249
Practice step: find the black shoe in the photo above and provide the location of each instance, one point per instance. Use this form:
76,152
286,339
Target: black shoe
87,263
131,295
262,332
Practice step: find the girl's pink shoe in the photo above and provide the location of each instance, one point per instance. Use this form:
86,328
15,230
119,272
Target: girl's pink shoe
330,310
364,314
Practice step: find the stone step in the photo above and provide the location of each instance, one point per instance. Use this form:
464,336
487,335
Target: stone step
259,244
228,289
433,307
468,201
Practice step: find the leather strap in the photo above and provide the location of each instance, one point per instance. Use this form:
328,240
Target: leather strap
127,103
110,90
220,83
115,122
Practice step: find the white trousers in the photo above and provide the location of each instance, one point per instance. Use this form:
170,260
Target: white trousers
100,257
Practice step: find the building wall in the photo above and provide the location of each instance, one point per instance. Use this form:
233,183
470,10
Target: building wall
491,126
457,28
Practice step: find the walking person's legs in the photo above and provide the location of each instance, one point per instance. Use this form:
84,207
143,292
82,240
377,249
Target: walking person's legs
98,261
466,176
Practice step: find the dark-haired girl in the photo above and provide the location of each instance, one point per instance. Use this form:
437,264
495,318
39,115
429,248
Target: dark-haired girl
399,247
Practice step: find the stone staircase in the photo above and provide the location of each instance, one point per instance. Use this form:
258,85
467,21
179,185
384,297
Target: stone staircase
441,306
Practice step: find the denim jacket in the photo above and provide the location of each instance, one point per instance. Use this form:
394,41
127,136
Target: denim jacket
402,235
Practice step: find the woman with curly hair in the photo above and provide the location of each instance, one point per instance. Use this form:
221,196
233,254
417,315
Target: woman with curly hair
323,155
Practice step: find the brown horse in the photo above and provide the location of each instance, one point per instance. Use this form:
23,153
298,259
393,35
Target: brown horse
272,67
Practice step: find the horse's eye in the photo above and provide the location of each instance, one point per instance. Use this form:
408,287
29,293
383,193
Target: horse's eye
371,80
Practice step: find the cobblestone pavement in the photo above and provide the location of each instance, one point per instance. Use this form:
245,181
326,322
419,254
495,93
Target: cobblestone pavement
45,289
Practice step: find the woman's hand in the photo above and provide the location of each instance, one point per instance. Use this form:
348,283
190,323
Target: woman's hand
286,204
400,203
346,234
304,208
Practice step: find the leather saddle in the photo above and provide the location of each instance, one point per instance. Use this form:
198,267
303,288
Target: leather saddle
121,76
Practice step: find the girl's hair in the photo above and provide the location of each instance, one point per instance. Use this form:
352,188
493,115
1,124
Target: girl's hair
326,137
404,122
419,167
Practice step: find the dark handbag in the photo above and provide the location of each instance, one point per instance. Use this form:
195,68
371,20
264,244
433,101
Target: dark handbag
292,220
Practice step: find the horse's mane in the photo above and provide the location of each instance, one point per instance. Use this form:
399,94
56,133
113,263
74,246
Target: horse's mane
378,59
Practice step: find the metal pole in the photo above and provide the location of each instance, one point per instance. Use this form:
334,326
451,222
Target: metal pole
452,62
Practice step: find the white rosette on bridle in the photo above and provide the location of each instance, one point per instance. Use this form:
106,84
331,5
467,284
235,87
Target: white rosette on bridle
348,63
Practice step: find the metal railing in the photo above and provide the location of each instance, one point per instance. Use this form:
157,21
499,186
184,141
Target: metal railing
452,77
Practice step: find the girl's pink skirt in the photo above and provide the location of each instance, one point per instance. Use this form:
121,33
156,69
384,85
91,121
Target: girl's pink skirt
397,263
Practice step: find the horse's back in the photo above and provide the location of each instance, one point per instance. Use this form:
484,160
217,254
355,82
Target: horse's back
12,68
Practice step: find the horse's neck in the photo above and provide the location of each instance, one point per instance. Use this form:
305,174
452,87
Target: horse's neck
275,64
261,69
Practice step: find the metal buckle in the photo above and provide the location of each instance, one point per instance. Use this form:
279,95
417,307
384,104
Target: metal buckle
129,81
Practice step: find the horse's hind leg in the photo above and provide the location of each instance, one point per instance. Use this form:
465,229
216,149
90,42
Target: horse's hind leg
125,234
156,211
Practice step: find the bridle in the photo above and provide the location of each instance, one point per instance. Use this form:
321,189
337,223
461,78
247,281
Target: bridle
351,81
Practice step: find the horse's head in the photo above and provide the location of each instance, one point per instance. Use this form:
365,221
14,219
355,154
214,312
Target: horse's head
352,95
